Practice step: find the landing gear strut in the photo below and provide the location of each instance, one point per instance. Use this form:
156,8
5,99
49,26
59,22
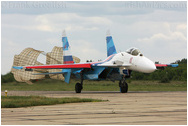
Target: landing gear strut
123,85
79,86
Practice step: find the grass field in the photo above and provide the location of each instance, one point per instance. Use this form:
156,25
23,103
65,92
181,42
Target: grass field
54,85
26,101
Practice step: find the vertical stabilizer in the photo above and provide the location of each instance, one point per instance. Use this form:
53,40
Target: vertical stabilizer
67,56
111,49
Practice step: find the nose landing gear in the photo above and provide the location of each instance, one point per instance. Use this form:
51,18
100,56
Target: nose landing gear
123,86
79,86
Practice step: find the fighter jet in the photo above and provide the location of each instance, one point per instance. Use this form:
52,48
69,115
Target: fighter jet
117,66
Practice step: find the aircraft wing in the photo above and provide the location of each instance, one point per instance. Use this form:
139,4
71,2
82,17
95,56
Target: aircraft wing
57,66
166,65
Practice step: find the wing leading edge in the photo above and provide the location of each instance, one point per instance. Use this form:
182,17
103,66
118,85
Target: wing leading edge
58,66
166,65
67,69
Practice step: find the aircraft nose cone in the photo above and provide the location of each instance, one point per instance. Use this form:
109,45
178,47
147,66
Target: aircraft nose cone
151,67
146,65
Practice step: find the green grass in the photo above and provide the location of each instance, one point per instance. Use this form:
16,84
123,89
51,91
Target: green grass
157,86
54,85
26,101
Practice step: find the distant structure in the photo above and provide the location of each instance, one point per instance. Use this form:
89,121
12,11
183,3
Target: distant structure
29,57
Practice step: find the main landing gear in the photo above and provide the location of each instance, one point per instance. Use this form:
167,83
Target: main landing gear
79,86
123,85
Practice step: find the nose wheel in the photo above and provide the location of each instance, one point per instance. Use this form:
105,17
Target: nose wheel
123,86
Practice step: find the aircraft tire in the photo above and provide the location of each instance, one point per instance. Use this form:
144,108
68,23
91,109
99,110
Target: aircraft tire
78,88
123,87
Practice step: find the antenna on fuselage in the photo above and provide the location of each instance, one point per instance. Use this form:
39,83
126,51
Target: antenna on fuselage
64,33
108,32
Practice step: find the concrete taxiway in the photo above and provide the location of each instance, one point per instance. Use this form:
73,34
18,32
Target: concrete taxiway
143,108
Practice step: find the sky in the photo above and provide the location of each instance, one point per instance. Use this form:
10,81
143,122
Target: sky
157,29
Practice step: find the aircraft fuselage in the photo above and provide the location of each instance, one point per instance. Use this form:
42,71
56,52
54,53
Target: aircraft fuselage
117,64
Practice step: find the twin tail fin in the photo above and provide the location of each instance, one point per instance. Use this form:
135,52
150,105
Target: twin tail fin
111,49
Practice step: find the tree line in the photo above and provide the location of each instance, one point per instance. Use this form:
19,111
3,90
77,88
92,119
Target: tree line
178,73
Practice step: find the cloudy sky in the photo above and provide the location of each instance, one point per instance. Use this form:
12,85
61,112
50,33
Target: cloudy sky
158,29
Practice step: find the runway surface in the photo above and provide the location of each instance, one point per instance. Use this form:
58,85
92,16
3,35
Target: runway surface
133,108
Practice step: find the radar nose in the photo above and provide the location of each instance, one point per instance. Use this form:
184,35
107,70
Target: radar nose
146,65
152,66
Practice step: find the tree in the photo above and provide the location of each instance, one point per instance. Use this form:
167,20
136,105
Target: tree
7,78
164,79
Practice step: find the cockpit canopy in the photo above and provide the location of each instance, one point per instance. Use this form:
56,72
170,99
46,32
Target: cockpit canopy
134,51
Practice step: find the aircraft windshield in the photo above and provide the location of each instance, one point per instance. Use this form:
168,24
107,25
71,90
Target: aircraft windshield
133,51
